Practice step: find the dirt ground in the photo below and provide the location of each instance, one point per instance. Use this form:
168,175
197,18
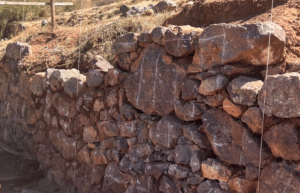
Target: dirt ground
19,176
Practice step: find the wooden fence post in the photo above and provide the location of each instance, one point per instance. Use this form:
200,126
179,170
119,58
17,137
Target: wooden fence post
52,13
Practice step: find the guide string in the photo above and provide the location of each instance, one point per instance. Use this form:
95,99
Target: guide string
264,107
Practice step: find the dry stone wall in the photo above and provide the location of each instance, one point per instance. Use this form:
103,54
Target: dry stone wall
182,112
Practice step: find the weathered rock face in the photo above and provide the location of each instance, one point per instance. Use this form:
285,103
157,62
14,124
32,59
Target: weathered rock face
125,43
166,132
18,50
145,125
94,78
224,43
70,81
181,42
153,86
114,180
65,145
215,170
281,100
232,142
283,141
242,185
280,177
189,111
211,85
38,86
253,117
243,90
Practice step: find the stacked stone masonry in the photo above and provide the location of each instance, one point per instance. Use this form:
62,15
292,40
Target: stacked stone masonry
182,113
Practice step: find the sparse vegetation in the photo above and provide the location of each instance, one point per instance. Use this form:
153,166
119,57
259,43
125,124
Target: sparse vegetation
90,31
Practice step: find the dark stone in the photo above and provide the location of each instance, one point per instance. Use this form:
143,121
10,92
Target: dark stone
231,141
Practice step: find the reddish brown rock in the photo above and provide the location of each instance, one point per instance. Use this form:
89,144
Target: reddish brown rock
99,157
166,132
210,186
253,117
233,109
110,129
167,185
225,43
98,105
114,180
128,128
70,81
65,145
181,40
24,86
241,185
140,151
214,100
99,62
215,170
64,106
37,86
97,174
243,90
114,77
178,172
232,142
146,184
83,156
3,85
192,133
283,141
211,85
124,61
158,35
280,177
133,56
90,134
112,98
148,88
229,70
189,111
125,43
189,89
94,78
281,100
251,172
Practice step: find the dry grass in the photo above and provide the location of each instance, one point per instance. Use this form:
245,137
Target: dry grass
93,30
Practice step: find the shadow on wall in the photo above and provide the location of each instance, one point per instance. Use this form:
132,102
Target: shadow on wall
204,14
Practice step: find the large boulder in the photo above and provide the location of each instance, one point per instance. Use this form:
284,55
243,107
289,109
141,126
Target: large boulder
155,85
281,95
232,142
283,141
225,43
18,50
280,177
